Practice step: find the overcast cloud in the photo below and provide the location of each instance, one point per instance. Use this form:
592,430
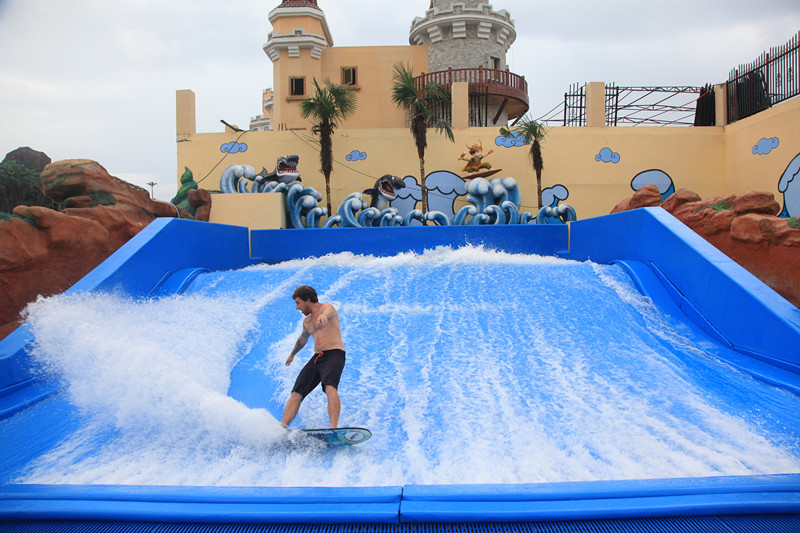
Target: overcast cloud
96,79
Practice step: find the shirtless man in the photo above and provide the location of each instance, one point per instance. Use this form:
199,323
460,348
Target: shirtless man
321,322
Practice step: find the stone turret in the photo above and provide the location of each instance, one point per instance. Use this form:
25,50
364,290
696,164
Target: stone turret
464,34
467,42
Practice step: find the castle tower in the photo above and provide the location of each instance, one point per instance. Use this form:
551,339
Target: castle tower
299,35
464,34
472,39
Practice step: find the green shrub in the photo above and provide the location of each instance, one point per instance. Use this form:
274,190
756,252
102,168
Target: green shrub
20,185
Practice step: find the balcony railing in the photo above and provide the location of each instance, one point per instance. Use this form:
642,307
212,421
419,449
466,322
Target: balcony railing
481,81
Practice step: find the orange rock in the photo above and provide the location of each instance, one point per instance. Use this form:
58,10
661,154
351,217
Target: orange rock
679,198
746,230
200,199
647,196
44,252
756,202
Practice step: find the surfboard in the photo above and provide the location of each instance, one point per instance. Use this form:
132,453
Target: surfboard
482,174
339,436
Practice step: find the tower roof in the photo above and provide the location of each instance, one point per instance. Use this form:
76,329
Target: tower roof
299,3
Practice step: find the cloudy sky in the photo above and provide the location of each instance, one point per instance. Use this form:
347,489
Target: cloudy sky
96,79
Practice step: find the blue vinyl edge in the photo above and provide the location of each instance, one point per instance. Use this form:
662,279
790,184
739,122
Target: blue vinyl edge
601,509
323,505
273,246
670,302
595,500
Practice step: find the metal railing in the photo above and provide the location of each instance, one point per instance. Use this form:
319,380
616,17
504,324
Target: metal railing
632,106
483,83
481,80
769,80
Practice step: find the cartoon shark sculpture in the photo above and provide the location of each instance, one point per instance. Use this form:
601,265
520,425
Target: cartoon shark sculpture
384,191
285,172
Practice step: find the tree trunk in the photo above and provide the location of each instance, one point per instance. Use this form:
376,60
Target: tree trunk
326,160
328,192
422,184
424,190
539,186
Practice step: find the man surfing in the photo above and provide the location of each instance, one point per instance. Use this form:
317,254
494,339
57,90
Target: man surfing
325,366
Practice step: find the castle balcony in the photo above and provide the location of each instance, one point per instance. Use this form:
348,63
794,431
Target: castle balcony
493,93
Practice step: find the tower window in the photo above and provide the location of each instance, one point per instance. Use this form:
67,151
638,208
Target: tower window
297,86
496,63
349,76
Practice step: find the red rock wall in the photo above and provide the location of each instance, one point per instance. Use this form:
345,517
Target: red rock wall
744,228
44,252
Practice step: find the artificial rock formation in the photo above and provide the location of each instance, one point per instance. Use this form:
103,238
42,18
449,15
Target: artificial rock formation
745,228
28,157
44,252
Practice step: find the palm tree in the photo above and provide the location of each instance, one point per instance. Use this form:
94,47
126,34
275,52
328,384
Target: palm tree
532,133
330,105
417,100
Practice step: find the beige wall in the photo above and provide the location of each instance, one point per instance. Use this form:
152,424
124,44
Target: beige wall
374,64
710,160
285,110
185,117
745,170
256,211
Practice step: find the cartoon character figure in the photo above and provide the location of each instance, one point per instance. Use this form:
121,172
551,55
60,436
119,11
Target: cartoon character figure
475,159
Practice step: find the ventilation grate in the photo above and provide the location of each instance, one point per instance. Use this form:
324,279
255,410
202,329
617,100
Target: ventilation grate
695,524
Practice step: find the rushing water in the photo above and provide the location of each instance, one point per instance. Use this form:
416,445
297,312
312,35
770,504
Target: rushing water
469,366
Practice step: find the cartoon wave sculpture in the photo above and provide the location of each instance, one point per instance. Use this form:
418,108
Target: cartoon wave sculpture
302,205
347,216
556,215
491,202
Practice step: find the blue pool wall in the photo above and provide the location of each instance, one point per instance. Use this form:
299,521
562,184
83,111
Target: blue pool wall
732,305
759,330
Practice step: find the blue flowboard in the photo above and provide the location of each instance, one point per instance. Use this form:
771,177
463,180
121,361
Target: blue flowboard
339,436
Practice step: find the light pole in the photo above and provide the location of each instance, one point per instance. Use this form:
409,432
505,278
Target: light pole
151,184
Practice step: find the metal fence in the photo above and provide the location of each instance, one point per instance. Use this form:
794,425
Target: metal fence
631,106
769,80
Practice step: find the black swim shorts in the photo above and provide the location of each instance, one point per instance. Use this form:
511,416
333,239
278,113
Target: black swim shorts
324,367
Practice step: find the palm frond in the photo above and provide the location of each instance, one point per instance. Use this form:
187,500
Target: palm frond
330,104
444,127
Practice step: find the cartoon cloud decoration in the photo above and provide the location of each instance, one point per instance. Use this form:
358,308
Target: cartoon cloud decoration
356,155
233,147
656,177
607,155
515,139
789,185
765,146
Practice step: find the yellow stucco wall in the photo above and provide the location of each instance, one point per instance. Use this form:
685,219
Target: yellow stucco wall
256,211
745,170
374,64
308,19
712,161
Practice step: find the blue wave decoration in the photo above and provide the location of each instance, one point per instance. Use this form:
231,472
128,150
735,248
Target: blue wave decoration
490,202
